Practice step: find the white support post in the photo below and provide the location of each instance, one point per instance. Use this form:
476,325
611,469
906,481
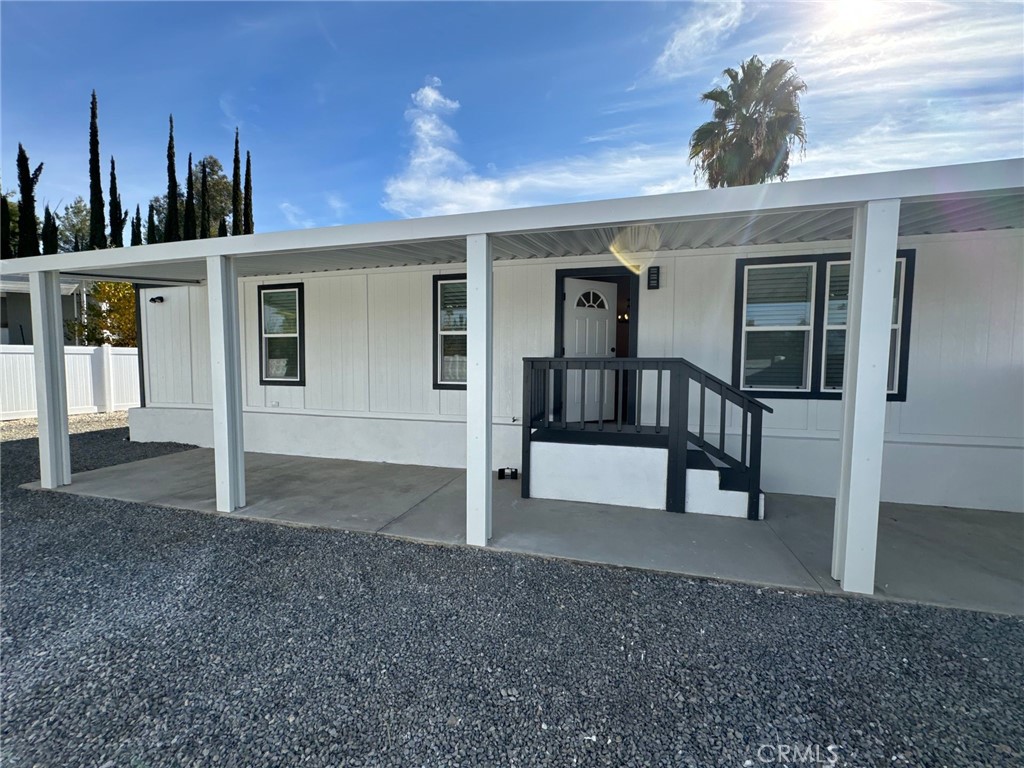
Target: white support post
226,373
865,379
479,389
51,389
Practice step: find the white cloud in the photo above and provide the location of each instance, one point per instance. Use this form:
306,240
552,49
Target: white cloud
913,85
890,85
337,206
429,98
295,216
227,108
706,26
615,134
437,180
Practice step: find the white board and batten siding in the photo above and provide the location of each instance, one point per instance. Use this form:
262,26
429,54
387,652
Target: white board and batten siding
958,440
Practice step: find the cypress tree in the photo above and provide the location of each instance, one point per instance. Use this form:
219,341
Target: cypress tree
151,234
222,231
137,227
97,226
247,228
236,191
5,230
28,235
204,203
51,242
190,205
118,217
172,229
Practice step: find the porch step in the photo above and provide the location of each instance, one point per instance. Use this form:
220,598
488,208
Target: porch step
577,465
592,434
730,478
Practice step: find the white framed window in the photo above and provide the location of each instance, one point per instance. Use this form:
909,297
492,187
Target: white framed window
450,328
790,325
778,317
282,335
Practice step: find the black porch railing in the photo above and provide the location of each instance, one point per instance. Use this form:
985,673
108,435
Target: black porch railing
555,409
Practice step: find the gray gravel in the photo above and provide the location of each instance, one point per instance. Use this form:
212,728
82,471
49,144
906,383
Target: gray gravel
138,636
18,429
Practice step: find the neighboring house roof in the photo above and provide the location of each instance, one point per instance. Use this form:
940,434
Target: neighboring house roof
956,198
19,284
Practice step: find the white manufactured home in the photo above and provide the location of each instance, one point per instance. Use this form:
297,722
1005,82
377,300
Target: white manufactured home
856,337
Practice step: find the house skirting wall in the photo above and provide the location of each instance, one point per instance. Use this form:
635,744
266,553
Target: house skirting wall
426,442
944,475
599,474
967,476
624,475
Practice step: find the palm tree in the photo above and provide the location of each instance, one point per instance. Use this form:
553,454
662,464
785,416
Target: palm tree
756,124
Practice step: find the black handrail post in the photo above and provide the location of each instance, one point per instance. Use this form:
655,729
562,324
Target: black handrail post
639,395
528,378
546,387
564,386
678,422
657,405
703,392
743,436
619,399
600,399
754,469
721,420
583,396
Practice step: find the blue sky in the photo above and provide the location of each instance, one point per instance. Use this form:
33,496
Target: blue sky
361,112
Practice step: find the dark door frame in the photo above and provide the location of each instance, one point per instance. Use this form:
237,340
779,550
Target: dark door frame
591,273
627,398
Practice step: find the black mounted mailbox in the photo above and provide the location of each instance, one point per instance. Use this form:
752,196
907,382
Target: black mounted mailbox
653,278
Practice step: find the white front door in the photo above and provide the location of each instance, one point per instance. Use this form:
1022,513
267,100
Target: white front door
588,330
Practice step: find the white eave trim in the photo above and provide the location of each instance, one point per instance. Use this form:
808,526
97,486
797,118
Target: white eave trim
808,194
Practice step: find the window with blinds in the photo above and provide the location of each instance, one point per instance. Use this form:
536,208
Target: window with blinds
791,320
777,319
834,355
281,334
450,332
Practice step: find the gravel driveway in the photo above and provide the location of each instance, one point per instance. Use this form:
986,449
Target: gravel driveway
138,636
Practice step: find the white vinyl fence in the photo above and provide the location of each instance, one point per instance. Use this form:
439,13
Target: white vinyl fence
99,379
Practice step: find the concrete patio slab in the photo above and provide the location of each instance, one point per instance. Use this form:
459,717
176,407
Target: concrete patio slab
697,545
958,558
938,555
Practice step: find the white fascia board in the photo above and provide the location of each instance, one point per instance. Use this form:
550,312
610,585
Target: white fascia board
67,288
808,194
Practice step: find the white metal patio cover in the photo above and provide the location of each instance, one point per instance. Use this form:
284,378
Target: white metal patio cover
872,210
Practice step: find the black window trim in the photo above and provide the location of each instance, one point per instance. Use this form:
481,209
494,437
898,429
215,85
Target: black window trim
301,308
435,340
821,260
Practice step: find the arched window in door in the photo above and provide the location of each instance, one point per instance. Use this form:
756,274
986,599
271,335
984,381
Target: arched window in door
591,300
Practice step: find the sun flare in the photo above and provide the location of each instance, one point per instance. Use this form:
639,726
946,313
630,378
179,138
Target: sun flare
849,16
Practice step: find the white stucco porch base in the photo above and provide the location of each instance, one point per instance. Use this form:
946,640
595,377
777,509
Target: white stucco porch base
599,474
625,476
394,440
